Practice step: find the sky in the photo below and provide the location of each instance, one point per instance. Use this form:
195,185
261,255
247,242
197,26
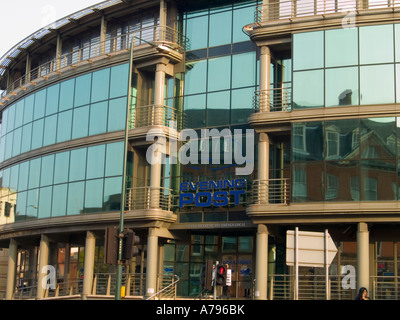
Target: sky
20,18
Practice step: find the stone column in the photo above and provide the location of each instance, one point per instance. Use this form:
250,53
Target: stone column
362,256
261,263
90,247
152,262
12,266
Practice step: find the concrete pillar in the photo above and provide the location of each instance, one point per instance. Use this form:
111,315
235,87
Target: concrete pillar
28,68
152,262
261,263
159,85
263,167
12,267
43,262
265,73
362,256
59,63
90,247
103,35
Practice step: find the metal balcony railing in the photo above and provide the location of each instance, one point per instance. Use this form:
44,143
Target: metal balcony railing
289,9
155,115
104,286
271,191
140,198
275,99
152,36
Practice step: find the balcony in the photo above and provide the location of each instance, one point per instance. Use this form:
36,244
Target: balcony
146,42
291,9
150,115
275,99
143,198
271,191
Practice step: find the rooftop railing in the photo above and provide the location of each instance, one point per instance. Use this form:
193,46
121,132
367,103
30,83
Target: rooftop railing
289,9
153,36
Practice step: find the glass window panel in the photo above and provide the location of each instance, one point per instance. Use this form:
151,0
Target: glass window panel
4,121
50,130
32,203
308,50
28,108
243,69
377,180
61,167
114,156
398,83
80,122
195,110
98,118
37,134
241,17
94,196
218,108
219,69
23,176
342,181
220,28
397,41
197,32
52,98
308,89
341,86
242,106
341,47
19,113
10,118
229,244
59,203
195,77
34,173
246,244
77,169
76,193
307,182
67,95
40,104
2,148
45,197
47,171
83,86
21,206
307,140
112,194
342,140
378,136
14,178
26,137
9,145
6,178
64,126
377,84
100,85
119,81
117,114
95,162
376,44
16,150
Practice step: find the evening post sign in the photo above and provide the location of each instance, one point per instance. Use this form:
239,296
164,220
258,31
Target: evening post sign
238,151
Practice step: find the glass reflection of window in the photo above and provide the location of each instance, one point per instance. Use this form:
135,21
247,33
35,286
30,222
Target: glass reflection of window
299,137
332,142
370,188
332,182
355,188
300,183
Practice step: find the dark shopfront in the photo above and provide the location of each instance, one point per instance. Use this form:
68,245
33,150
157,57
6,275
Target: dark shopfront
231,243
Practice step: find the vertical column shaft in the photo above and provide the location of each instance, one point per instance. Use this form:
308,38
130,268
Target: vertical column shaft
362,255
43,261
11,270
261,263
90,247
152,262
265,71
263,167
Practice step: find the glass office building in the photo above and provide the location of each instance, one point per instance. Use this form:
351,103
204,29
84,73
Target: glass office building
303,93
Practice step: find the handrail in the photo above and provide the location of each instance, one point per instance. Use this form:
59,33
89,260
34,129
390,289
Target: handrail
271,191
172,285
153,36
274,99
289,9
138,198
154,114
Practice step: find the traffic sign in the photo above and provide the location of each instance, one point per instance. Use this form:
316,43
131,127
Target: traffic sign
312,248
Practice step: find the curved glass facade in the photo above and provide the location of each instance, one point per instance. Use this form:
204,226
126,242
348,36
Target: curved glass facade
348,66
83,180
